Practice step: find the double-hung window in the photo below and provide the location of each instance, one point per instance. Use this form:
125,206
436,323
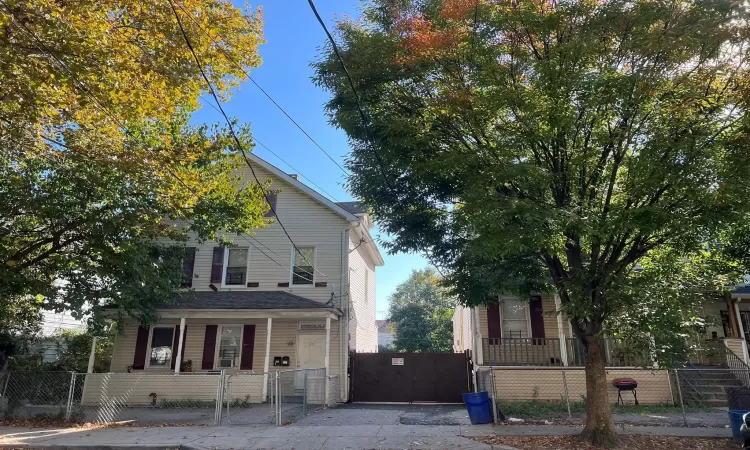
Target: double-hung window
303,266
515,318
235,266
162,339
230,347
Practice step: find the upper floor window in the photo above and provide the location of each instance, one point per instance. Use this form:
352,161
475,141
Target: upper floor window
271,200
188,264
235,266
303,266
515,318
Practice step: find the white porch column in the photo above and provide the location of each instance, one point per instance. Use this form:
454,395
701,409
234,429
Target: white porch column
742,330
561,332
180,345
267,361
92,355
328,357
739,319
477,328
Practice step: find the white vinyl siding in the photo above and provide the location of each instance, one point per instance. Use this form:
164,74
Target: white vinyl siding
362,289
309,223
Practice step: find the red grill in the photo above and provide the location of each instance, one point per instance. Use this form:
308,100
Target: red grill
625,384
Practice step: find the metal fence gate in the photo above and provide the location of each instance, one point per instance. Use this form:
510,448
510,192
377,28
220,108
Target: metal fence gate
409,377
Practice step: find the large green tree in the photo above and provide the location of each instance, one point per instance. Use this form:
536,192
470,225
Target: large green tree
421,312
550,145
98,165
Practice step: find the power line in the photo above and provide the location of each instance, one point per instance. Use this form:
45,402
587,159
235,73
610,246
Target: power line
282,257
239,66
209,103
43,48
278,263
294,169
229,123
363,116
365,120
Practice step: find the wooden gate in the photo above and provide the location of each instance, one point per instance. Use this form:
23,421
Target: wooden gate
409,377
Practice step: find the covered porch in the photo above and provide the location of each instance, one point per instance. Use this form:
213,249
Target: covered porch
533,334
249,336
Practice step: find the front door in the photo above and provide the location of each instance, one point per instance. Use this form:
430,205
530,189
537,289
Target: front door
311,354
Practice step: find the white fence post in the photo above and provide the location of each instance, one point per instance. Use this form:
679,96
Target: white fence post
278,399
220,397
71,393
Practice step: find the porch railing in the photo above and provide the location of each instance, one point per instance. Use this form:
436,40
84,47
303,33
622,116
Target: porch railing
522,351
548,352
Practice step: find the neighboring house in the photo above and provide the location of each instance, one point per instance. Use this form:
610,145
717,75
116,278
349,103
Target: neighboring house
263,305
385,334
52,324
515,334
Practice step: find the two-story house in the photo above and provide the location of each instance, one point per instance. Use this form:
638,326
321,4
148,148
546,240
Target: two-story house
265,303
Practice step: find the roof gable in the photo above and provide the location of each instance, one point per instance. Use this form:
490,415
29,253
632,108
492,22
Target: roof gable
315,195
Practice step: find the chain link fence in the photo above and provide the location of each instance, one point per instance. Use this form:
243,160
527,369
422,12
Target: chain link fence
29,395
638,396
274,398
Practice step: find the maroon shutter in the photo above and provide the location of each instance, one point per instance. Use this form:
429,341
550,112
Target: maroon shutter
217,265
188,265
209,347
176,344
248,345
493,323
537,318
271,198
141,345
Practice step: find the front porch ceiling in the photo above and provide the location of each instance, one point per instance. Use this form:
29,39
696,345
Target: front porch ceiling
289,314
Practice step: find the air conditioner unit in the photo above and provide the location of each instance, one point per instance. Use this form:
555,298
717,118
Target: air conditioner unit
226,363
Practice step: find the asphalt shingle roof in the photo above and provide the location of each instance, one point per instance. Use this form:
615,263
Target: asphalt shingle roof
242,300
352,207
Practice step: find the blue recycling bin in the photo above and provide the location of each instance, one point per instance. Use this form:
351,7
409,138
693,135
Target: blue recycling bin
479,407
735,420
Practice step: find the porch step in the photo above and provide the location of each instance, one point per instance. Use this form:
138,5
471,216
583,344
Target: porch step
707,386
713,382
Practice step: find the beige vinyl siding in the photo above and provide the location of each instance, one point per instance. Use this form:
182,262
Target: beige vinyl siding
283,343
134,389
543,384
712,312
549,317
362,327
462,336
309,223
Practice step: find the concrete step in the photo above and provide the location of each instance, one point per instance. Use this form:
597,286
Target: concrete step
712,388
711,402
712,381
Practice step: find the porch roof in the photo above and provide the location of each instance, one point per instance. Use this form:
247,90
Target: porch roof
243,300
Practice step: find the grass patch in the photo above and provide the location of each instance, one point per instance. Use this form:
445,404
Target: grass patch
557,409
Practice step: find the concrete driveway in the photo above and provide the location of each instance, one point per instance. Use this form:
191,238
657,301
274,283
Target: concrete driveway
388,414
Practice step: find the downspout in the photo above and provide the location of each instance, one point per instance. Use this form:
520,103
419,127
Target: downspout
344,322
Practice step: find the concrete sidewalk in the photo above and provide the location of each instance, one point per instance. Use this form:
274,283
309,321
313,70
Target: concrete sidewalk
300,437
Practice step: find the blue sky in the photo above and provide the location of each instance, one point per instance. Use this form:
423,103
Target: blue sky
293,38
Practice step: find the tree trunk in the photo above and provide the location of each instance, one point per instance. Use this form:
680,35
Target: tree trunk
600,428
